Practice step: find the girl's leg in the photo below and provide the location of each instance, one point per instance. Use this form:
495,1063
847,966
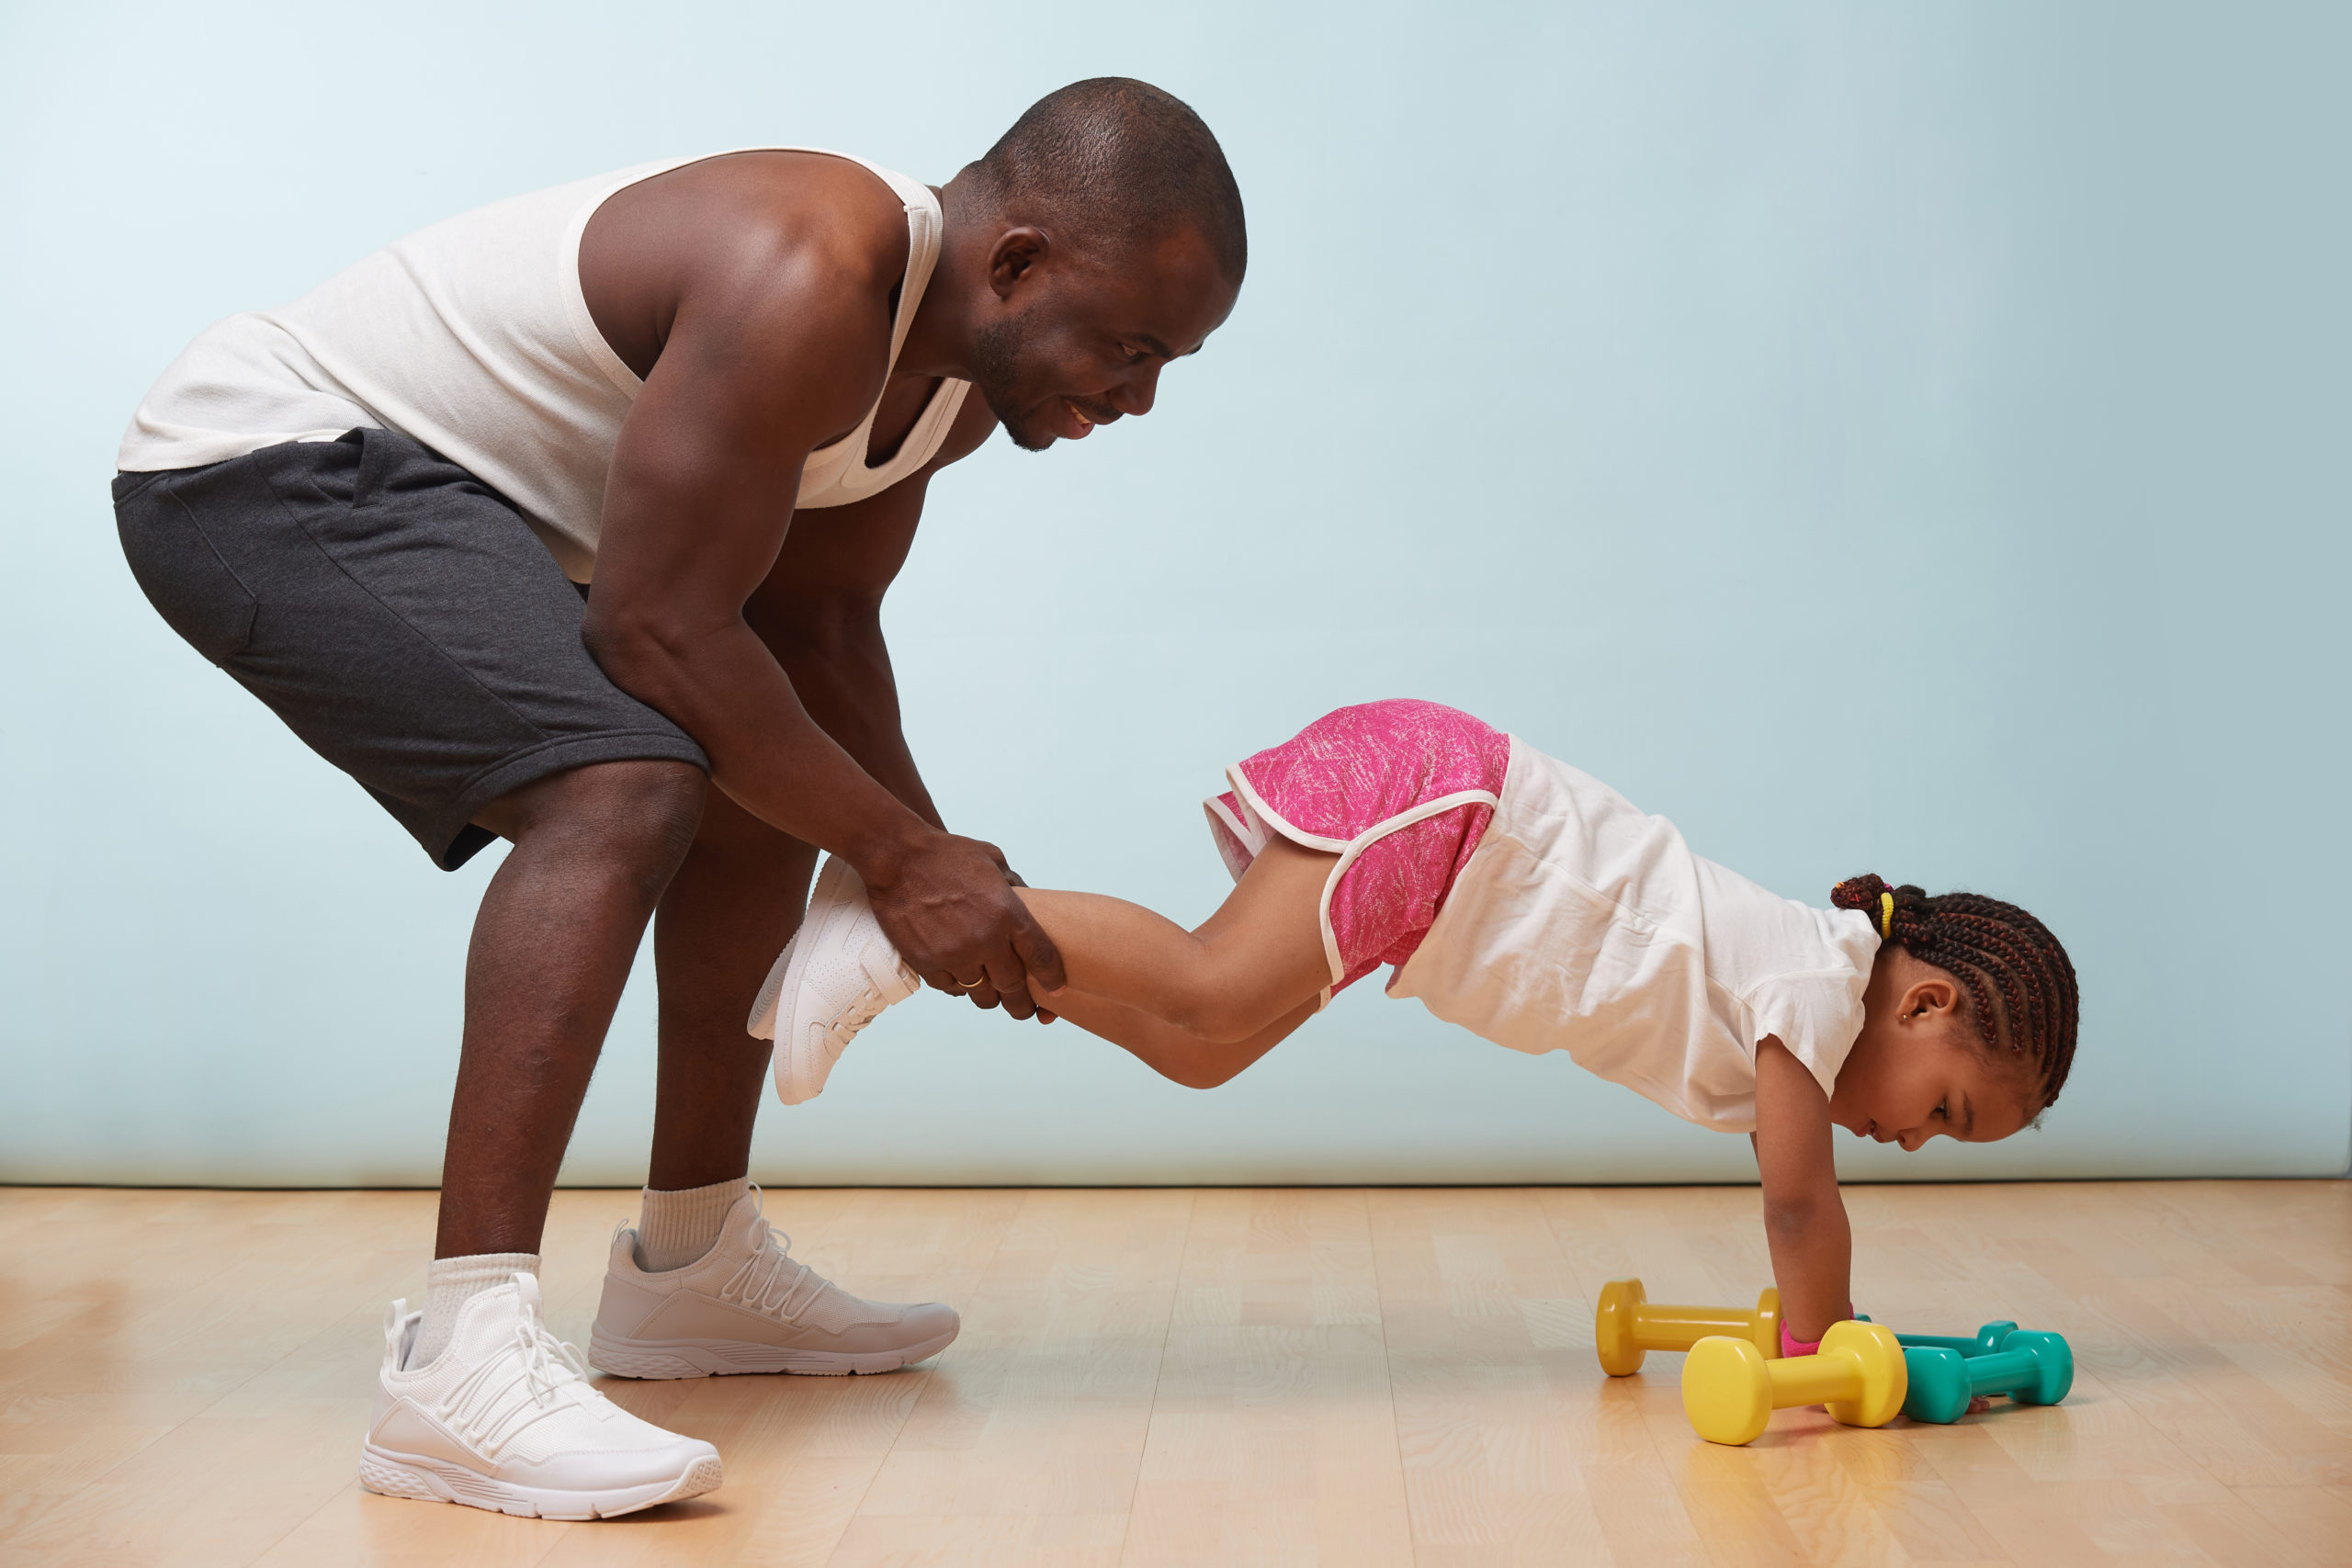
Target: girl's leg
1196,1006
1167,1050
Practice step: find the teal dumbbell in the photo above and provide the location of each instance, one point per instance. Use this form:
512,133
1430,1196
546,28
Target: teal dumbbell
2031,1369
1986,1340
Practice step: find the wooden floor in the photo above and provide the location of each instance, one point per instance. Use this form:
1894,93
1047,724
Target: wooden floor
1346,1377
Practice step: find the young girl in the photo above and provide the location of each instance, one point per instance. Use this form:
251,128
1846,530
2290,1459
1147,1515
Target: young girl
1537,908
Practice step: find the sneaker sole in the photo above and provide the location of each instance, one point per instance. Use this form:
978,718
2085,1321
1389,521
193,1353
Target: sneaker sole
422,1480
655,1359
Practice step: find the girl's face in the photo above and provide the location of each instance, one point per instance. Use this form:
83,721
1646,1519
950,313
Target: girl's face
1920,1068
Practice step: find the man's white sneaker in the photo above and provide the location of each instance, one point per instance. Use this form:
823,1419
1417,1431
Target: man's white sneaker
833,978
505,1419
748,1306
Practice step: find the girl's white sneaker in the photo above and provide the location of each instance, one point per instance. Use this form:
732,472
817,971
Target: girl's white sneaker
505,1419
833,978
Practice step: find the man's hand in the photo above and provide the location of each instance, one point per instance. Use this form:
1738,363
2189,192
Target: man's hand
952,914
986,996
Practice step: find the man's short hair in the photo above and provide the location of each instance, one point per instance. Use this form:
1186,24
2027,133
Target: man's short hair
1121,161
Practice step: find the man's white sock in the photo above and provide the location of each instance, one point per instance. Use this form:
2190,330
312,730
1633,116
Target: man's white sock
450,1282
674,1229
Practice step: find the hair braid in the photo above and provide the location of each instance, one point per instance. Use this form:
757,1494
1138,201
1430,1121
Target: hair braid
1996,950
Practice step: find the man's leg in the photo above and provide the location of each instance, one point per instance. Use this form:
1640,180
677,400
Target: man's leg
407,624
593,850
701,1287
728,911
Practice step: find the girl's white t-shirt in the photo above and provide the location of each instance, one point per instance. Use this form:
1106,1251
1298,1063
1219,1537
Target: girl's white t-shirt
1582,924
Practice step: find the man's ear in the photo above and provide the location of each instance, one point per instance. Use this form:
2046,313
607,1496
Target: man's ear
1014,257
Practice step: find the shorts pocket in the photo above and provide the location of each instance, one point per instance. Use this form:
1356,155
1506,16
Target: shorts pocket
183,576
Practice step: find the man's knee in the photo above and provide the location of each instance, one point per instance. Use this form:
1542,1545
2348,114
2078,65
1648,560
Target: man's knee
642,814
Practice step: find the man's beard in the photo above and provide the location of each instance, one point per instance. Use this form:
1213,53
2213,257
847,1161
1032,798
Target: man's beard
996,353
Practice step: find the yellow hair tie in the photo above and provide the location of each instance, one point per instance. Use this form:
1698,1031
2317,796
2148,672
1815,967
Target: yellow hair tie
1885,914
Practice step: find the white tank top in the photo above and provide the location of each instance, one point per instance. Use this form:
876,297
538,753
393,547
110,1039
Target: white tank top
1582,924
472,336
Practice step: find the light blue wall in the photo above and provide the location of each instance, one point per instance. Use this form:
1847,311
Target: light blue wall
1894,437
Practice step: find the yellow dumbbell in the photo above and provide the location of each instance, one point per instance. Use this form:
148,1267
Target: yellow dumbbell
1730,1391
1627,1325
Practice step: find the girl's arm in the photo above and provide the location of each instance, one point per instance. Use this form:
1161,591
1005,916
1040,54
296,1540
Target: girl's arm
1804,1219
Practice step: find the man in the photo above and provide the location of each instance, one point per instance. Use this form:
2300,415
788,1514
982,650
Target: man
716,390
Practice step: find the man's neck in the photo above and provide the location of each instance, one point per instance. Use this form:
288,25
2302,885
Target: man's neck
938,339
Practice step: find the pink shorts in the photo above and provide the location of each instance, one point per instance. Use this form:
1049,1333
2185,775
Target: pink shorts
1399,790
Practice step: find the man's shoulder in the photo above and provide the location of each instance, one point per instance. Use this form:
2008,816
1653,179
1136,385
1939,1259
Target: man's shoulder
769,246
828,219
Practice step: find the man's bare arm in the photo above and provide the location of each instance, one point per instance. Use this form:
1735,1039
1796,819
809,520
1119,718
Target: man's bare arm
776,347
820,612
1804,1218
831,646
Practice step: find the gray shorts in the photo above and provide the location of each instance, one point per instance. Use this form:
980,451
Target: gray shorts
397,614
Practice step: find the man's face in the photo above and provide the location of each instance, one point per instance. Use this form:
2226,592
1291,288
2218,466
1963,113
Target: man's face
1079,340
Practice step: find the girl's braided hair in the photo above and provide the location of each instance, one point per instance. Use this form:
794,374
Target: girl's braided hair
1994,948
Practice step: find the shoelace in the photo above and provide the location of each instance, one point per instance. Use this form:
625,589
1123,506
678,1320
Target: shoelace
856,1015
769,1278
478,1409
